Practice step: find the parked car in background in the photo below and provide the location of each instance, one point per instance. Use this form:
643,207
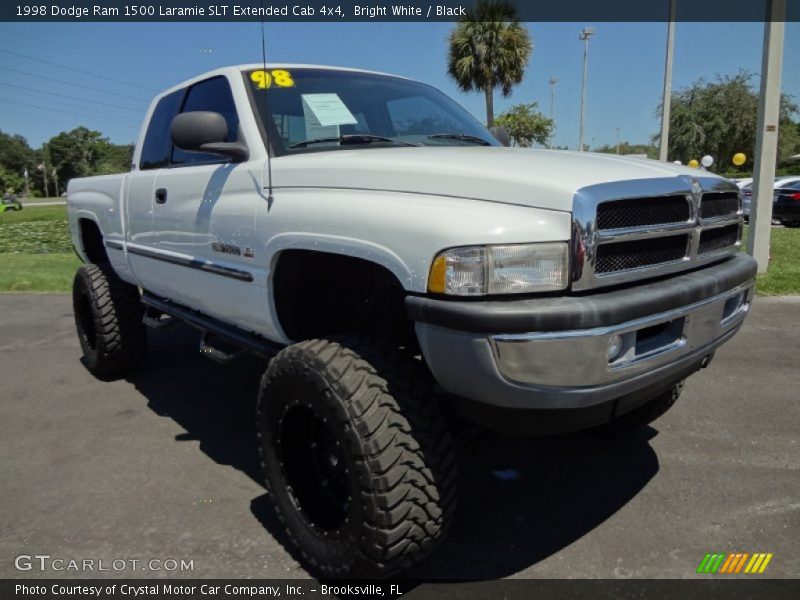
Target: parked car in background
747,194
742,182
786,206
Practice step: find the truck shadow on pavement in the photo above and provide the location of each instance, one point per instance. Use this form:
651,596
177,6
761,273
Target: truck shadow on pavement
520,499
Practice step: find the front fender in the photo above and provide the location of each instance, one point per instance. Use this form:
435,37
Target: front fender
346,246
401,232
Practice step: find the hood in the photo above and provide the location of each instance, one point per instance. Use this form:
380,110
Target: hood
538,178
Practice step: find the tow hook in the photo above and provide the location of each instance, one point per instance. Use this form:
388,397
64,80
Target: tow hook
706,360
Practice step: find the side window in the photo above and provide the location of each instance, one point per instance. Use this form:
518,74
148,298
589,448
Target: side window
214,95
157,142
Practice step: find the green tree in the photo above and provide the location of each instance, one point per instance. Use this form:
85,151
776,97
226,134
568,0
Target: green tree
76,153
489,49
526,125
15,157
788,140
720,118
10,180
628,148
117,159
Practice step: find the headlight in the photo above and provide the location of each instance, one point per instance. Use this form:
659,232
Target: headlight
517,269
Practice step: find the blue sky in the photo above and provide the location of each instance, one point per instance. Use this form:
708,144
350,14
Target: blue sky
625,71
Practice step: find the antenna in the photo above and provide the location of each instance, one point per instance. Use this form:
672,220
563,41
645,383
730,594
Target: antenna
266,106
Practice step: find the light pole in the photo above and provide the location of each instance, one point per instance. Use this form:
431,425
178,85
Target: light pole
585,35
666,103
769,104
553,82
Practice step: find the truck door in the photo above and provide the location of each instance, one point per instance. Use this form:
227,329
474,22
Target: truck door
204,215
155,154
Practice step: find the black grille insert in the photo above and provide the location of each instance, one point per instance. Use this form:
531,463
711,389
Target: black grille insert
641,212
622,256
719,204
713,240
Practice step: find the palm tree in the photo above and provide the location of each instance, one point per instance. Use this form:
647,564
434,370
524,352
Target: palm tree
489,48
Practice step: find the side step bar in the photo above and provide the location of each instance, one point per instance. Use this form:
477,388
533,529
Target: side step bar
209,350
152,318
209,325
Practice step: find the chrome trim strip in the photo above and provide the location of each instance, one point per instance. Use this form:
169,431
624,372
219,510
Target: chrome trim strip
200,265
645,232
114,244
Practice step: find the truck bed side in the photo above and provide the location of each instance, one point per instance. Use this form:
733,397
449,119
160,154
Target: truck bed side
95,207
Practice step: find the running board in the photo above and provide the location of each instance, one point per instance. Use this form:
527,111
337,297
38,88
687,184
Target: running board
155,321
208,350
208,325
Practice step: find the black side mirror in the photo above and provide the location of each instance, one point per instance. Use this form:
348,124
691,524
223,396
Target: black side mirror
501,135
205,131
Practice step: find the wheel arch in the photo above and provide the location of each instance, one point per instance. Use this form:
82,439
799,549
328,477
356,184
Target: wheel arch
319,292
90,238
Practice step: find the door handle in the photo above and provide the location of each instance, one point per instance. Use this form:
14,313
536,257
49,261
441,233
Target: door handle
161,195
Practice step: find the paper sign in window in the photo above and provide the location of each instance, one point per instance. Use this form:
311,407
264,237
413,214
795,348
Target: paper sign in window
328,109
314,129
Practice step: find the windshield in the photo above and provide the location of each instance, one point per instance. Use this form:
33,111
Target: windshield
316,110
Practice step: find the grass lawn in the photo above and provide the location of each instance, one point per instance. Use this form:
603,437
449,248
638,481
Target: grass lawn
39,230
783,275
36,254
37,272
34,213
36,251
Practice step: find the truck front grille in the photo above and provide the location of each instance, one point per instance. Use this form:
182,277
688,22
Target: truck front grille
719,204
714,240
624,256
629,230
642,212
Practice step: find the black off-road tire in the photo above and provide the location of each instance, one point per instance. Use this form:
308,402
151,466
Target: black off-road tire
108,317
388,464
644,414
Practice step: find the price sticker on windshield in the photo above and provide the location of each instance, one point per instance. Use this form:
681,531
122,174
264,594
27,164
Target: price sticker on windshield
265,79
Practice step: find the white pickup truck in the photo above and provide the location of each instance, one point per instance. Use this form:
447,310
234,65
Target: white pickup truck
388,256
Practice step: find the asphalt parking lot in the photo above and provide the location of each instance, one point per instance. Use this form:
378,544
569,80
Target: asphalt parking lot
163,466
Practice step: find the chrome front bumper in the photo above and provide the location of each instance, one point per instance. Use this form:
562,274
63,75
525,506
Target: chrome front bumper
552,353
580,358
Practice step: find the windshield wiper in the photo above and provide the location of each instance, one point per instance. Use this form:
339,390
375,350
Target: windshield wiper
354,138
462,137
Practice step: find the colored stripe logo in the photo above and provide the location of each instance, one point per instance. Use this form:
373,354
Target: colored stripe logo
736,562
